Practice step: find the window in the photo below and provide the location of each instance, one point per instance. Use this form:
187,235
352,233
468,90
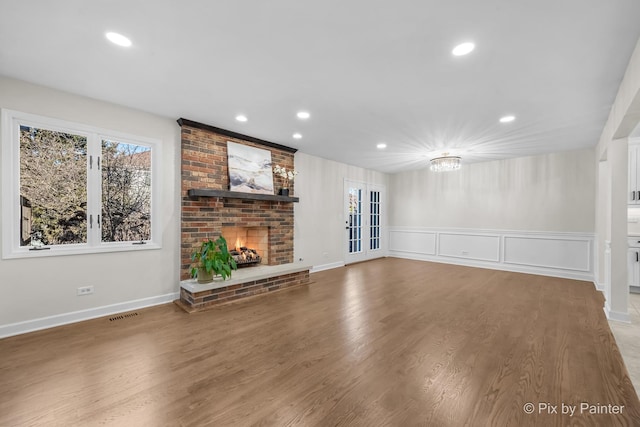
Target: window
53,187
70,188
126,192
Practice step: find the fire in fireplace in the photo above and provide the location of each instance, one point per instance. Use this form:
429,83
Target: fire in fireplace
248,245
245,256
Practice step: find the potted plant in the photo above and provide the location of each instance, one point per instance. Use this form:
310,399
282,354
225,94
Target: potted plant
213,259
287,176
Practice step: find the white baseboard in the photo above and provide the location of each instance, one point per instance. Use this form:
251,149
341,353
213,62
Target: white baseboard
329,266
599,286
78,316
616,315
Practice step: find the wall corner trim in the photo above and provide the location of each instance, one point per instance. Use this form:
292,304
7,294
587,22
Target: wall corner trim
599,286
616,315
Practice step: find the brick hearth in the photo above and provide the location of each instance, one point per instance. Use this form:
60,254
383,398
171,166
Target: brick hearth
244,283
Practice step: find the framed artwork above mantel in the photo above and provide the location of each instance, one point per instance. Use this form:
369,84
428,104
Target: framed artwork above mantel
249,169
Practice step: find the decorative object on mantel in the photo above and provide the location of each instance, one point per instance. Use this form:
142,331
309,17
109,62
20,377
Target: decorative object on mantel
287,176
213,259
445,163
249,169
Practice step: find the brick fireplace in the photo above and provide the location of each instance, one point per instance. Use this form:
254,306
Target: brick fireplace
209,210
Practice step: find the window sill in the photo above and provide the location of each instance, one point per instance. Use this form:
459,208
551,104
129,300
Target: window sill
21,253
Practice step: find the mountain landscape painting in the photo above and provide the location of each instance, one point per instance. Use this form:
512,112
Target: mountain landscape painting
249,169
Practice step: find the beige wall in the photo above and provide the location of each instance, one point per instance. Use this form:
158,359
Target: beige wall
42,287
319,236
39,287
553,192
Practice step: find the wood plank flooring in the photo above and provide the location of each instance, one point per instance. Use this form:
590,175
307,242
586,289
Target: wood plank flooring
389,342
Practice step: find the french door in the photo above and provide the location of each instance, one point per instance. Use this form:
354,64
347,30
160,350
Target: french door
364,211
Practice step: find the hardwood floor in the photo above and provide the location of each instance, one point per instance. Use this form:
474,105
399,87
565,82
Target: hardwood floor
384,343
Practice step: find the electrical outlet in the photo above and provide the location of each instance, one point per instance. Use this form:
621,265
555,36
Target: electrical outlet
85,290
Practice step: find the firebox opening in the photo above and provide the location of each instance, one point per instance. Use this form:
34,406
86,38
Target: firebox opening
249,245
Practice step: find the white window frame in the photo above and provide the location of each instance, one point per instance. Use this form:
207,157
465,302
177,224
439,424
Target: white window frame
11,122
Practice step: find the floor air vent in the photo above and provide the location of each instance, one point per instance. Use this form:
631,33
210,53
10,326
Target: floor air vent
122,316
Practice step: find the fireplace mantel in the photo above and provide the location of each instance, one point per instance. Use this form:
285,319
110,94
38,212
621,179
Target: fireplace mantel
204,192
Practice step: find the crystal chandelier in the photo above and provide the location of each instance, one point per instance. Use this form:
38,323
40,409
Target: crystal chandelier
445,163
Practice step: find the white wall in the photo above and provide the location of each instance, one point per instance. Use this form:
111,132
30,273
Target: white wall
633,227
37,288
553,192
603,217
319,235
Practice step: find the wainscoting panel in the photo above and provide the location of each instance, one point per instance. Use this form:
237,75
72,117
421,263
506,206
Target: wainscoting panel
418,242
567,255
470,246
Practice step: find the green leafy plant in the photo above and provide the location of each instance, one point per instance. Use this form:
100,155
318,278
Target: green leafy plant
213,257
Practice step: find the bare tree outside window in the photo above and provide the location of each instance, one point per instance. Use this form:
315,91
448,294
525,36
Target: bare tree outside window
126,192
71,188
53,187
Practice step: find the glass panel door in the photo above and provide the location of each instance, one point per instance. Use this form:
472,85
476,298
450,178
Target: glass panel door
355,220
363,221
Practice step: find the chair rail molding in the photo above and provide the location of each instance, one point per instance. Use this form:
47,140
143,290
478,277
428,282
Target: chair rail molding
558,254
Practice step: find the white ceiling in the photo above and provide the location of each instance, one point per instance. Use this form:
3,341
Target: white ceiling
368,71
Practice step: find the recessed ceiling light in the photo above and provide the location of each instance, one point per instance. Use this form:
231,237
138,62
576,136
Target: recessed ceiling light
463,49
241,118
303,115
118,39
381,145
297,136
507,119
